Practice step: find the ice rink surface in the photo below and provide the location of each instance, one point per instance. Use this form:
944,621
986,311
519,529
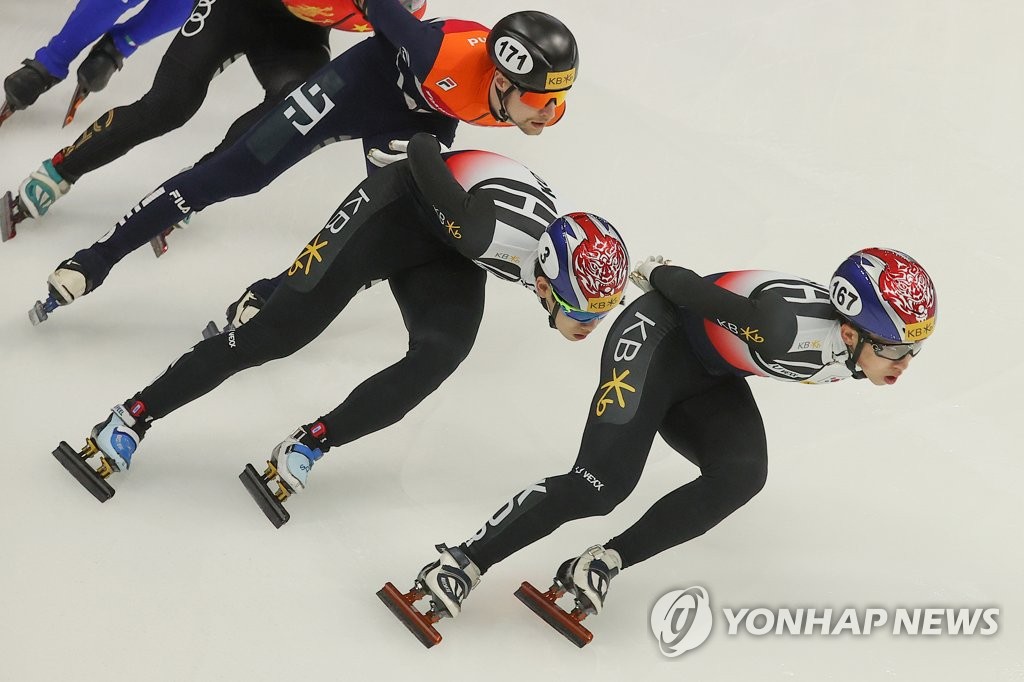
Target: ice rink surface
777,134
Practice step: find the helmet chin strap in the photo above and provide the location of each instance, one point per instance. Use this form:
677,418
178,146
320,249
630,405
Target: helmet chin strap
502,113
851,363
552,312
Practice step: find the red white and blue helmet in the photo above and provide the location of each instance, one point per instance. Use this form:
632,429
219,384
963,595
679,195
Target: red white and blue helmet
885,293
585,259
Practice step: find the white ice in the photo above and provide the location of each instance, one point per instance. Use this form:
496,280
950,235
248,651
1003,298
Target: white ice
747,134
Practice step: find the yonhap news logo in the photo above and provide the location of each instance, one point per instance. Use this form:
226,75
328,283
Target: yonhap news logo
682,620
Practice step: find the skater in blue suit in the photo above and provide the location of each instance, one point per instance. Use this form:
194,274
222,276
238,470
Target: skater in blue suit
89,21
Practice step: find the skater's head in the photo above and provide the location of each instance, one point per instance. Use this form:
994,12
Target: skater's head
536,59
888,306
582,267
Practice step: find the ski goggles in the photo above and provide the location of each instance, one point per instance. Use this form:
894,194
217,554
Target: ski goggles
575,313
895,351
539,100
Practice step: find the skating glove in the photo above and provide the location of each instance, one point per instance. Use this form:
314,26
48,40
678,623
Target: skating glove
641,275
401,152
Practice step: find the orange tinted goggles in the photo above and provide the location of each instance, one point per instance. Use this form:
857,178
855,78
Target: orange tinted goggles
539,100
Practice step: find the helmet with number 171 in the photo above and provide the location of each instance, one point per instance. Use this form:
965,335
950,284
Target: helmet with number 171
537,53
343,15
886,294
585,259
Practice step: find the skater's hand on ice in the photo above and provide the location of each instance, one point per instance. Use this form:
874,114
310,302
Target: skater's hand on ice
401,152
641,275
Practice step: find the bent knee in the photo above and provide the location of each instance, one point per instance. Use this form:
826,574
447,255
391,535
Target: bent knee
442,353
745,480
591,495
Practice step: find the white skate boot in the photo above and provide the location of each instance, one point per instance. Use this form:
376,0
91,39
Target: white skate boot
117,438
589,575
446,582
287,470
294,459
586,578
114,440
41,189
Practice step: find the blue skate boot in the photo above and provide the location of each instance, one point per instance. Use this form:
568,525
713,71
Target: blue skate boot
115,440
288,468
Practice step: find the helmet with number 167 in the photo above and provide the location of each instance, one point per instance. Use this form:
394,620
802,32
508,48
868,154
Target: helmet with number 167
535,51
585,259
886,294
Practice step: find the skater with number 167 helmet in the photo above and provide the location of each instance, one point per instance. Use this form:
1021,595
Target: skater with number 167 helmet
674,363
433,226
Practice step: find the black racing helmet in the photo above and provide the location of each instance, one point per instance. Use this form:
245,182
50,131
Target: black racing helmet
535,51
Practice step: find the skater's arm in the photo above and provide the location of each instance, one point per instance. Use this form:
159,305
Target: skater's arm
769,315
420,40
459,213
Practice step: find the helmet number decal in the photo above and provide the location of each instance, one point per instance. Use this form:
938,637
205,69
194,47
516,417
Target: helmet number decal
844,297
513,56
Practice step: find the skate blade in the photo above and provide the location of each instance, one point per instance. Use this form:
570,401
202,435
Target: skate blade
266,500
5,112
159,244
76,101
211,330
7,221
543,604
417,623
38,314
76,465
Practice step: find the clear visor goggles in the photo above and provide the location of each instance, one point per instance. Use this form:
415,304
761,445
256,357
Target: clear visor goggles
895,351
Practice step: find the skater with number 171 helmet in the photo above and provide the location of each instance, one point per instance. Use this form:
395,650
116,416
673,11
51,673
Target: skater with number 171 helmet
433,226
411,77
674,363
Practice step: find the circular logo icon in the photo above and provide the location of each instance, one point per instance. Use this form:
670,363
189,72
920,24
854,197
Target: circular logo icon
681,620
513,55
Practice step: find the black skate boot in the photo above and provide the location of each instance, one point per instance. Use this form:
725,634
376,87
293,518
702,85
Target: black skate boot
586,578
94,73
24,86
446,582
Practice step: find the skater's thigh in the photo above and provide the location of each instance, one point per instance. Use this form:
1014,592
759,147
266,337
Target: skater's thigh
720,425
288,56
207,41
442,302
291,319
